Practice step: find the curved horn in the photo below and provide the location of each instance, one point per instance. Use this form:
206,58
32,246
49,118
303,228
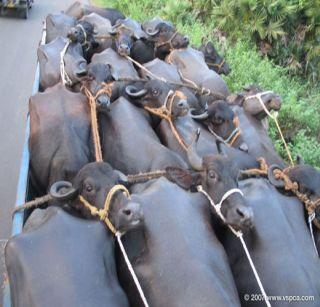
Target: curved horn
131,90
152,33
63,190
123,179
202,116
194,160
276,182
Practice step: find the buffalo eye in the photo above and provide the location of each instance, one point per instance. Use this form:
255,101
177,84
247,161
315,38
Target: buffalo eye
212,175
155,92
88,188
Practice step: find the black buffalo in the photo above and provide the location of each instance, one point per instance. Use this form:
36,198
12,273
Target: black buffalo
80,253
214,60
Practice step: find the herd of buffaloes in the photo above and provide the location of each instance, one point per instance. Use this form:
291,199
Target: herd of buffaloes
164,113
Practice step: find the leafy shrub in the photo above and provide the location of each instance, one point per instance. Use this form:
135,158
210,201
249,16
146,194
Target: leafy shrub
286,30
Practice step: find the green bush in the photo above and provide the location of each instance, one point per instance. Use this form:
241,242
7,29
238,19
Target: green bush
299,115
286,30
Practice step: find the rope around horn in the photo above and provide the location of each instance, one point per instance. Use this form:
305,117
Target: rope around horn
310,205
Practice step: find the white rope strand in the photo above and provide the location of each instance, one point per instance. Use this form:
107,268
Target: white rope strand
238,234
64,76
311,217
133,274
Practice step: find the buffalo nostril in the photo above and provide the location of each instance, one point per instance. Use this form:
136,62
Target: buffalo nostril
244,147
241,214
127,212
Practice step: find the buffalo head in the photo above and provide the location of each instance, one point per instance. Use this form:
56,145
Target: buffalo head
166,37
98,75
154,94
217,175
123,38
251,103
214,60
81,32
220,120
93,182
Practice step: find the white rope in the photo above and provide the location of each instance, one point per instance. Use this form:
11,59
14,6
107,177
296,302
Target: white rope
311,217
133,274
228,139
238,234
84,32
64,76
274,118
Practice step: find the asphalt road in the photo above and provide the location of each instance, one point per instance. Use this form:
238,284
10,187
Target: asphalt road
19,39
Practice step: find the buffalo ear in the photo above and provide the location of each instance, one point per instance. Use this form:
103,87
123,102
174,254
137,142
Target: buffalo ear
235,99
182,177
300,160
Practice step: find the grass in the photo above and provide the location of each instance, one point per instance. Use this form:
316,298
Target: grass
299,115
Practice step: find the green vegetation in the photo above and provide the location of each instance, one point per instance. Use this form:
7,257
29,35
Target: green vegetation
299,115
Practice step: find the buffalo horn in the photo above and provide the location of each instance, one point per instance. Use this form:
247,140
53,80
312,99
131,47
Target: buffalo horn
276,182
123,179
131,90
152,33
63,190
202,116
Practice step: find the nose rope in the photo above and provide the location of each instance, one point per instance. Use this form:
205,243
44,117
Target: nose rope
165,112
239,234
216,64
274,118
169,41
64,76
103,214
234,135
